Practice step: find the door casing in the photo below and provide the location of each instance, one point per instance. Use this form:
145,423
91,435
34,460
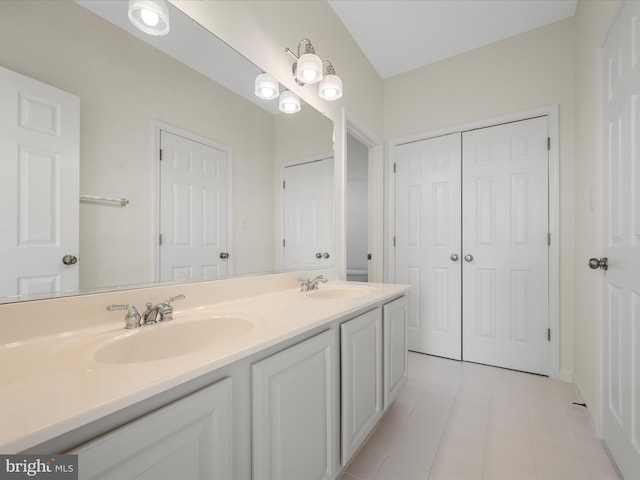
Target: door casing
552,112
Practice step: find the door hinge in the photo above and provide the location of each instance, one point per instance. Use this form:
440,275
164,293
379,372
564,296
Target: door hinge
369,256
284,242
549,239
160,154
548,334
284,184
394,167
548,143
160,239
394,241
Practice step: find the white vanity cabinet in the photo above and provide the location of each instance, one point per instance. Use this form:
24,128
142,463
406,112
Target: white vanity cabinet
190,438
296,418
361,377
395,315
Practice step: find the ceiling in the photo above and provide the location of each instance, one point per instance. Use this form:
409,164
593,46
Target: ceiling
401,35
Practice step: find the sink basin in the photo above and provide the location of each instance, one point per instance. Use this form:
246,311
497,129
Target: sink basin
340,292
172,339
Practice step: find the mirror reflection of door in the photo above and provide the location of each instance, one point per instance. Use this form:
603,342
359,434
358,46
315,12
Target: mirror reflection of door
308,215
357,210
39,186
194,209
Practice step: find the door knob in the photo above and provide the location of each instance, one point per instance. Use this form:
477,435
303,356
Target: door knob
318,255
595,263
325,255
224,255
454,257
69,259
468,258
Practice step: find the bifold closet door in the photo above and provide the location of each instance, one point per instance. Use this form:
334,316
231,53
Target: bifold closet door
428,255
505,245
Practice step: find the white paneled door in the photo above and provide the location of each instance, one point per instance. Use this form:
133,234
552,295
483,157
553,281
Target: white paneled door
620,240
308,215
505,222
39,186
428,242
193,209
472,241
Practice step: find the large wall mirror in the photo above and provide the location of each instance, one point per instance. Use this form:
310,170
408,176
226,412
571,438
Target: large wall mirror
130,88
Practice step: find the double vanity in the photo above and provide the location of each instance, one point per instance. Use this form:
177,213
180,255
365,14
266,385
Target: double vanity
253,378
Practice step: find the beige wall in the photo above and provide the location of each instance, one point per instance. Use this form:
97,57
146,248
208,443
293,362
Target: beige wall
591,19
531,70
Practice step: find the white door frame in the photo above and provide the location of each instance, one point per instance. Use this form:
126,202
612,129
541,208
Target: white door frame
155,191
552,112
599,220
375,222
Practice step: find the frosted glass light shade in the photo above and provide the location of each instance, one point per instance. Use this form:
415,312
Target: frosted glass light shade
150,16
309,68
289,102
267,87
330,87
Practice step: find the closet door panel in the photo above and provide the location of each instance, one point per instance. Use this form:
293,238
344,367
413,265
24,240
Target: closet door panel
428,236
505,227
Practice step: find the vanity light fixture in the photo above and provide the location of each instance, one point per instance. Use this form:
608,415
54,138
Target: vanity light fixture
289,102
267,87
330,87
150,16
309,69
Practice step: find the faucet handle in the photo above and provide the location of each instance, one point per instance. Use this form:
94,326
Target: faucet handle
177,297
132,319
167,309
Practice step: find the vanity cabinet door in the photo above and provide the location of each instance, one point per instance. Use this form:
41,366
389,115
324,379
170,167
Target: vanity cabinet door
295,412
361,368
395,316
187,439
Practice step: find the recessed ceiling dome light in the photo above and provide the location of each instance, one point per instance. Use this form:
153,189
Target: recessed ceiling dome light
150,16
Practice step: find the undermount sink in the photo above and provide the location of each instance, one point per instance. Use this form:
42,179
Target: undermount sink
172,339
340,292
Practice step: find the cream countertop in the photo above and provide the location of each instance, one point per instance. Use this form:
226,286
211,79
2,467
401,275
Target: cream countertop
50,385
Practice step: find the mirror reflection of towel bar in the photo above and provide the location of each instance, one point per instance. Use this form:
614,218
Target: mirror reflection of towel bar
108,200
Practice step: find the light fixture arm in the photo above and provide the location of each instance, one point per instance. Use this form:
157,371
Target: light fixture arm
308,48
329,70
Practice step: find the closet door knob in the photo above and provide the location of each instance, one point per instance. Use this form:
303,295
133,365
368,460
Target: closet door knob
69,259
595,263
468,258
454,257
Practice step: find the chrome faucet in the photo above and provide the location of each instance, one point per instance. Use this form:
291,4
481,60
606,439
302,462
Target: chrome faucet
307,284
161,312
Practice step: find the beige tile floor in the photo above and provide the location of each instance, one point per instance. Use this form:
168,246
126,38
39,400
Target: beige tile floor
463,421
